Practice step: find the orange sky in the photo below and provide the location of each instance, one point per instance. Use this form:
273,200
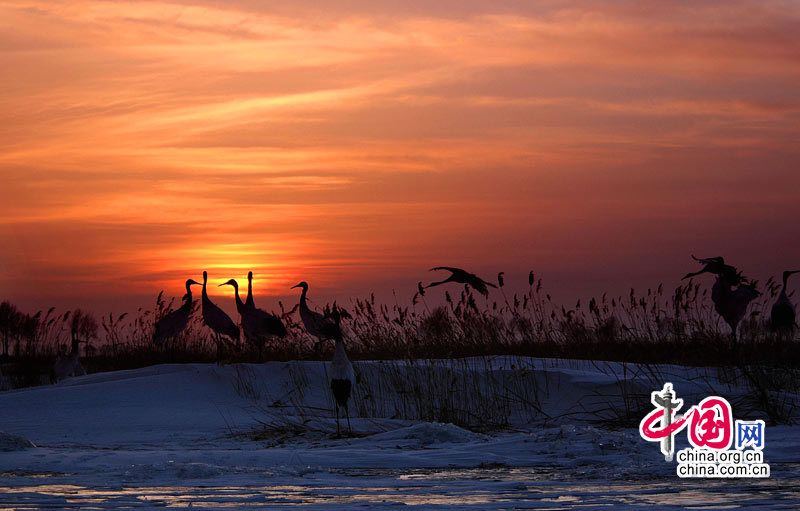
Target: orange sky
355,144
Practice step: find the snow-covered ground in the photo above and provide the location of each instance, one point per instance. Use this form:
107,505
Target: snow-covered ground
195,436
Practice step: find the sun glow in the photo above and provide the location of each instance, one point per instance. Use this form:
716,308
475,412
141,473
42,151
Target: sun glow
357,146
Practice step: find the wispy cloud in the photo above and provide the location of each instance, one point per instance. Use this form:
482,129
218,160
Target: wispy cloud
145,140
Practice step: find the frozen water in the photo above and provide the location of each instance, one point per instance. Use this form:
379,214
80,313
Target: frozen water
181,435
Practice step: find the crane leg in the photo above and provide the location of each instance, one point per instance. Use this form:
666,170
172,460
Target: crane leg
347,413
338,432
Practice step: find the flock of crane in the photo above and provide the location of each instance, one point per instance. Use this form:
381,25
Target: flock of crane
731,294
258,326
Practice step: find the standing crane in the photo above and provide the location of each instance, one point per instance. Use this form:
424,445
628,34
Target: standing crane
172,324
215,318
783,317
463,277
731,304
257,325
325,327
343,377
269,323
320,326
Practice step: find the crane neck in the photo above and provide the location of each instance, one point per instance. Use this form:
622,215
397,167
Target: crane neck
783,294
250,301
239,304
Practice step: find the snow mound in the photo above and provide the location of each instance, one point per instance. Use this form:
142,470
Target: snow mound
429,433
14,443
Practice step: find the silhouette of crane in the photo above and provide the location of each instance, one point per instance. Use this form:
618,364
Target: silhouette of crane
215,318
270,322
731,304
172,324
782,317
316,324
257,325
463,277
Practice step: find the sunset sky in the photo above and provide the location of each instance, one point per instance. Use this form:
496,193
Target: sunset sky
356,144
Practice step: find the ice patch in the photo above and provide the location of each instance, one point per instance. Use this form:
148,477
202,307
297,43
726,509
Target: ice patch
14,443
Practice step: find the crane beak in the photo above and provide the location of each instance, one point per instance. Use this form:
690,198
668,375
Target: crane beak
298,285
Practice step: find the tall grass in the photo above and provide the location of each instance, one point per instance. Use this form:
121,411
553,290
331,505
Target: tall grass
487,394
655,326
